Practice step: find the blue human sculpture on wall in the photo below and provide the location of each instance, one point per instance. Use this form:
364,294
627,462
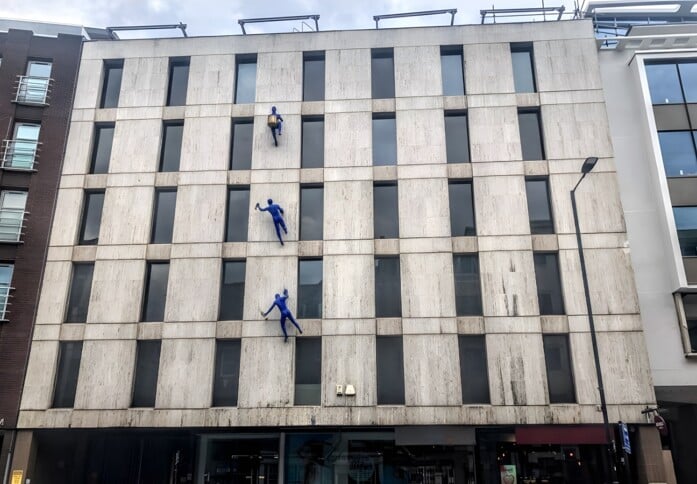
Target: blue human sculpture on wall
280,303
277,215
276,124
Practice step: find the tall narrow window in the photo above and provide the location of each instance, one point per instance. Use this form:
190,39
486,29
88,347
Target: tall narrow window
313,142
227,372
530,134
313,76
101,147
91,217
308,371
390,370
664,83
245,78
549,293
171,149
523,70
163,219
178,81
474,374
12,209
237,214
560,380
111,85
311,212
457,147
6,271
232,290
678,152
385,211
242,142
382,73
468,291
686,225
21,151
80,290
310,288
34,87
451,69
388,288
461,209
539,206
384,139
69,355
155,297
689,302
147,366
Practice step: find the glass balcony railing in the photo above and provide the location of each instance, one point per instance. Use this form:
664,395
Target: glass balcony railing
11,224
4,300
33,90
19,154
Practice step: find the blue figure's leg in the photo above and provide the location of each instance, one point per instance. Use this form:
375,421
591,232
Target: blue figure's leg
295,323
283,328
283,226
273,133
278,231
280,127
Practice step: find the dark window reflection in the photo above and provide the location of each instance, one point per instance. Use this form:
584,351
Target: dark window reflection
664,84
310,288
382,73
178,82
461,209
560,380
468,292
678,152
313,76
91,218
242,142
69,355
147,366
689,302
80,290
101,148
388,288
686,224
308,371
451,65
312,143
531,135
688,76
384,140
111,87
456,138
155,291
246,79
549,293
237,214
163,220
473,369
311,213
171,145
242,461
226,379
539,210
390,369
232,290
523,71
385,211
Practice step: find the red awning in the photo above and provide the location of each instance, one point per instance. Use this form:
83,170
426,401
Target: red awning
560,434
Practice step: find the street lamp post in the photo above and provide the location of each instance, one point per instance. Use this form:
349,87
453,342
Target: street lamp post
586,168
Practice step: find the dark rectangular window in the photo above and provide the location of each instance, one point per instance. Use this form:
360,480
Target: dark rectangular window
451,69
311,212
155,296
171,149
312,143
163,219
310,288
678,152
313,76
178,82
237,214
384,140
462,221
468,292
523,70
388,288
560,380
686,225
242,142
539,206
111,84
232,290
91,217
474,374
101,147
308,371
227,373
382,73
457,146
531,134
385,211
549,293
245,78
390,370
80,290
147,366
689,303
69,354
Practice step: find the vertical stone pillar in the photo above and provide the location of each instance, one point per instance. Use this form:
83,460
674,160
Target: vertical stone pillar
24,455
649,456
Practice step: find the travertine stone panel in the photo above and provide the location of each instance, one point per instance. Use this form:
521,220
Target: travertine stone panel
517,374
417,71
625,367
136,146
349,360
347,74
567,65
432,370
206,144
279,76
347,139
89,83
211,79
424,216
261,228
427,285
611,281
266,381
351,213
200,214
488,68
77,148
189,363
420,137
500,205
41,370
349,286
144,82
126,215
54,293
576,131
494,134
583,364
193,290
266,276
67,217
508,283
287,154
106,374
117,286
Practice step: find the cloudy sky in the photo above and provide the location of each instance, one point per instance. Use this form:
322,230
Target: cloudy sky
212,17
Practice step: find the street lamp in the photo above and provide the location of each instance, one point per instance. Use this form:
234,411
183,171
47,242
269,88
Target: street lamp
586,168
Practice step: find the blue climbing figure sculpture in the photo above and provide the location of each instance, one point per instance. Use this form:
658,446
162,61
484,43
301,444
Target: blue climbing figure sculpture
280,303
277,215
275,122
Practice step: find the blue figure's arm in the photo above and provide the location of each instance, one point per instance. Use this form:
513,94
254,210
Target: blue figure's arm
282,212
263,209
279,116
270,309
285,294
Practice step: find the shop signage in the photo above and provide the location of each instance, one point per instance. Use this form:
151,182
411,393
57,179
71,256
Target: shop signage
626,445
17,477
